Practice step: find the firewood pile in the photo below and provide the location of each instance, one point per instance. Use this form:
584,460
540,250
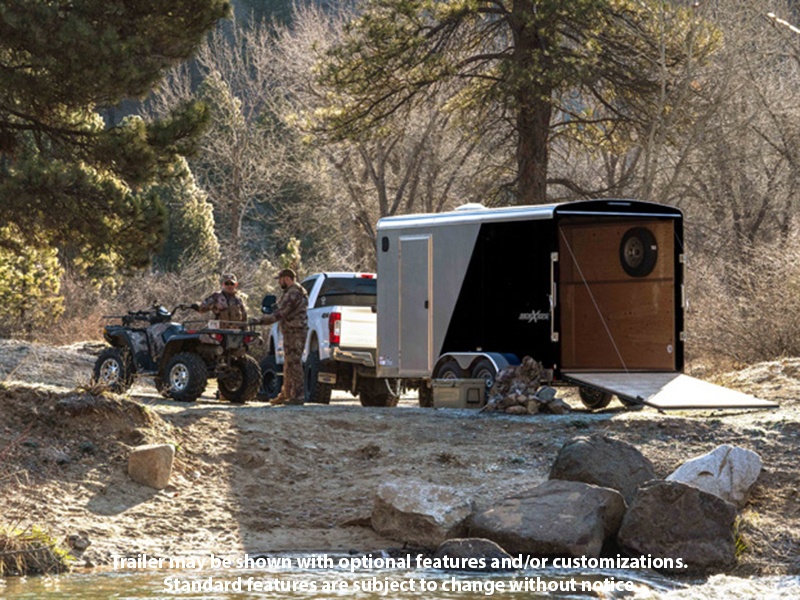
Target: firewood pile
519,390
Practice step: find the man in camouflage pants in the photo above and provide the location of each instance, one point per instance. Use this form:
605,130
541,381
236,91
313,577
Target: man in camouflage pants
293,321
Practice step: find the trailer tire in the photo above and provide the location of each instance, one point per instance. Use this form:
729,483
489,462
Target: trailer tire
186,377
638,252
373,392
316,391
114,369
450,369
242,385
484,369
594,398
271,379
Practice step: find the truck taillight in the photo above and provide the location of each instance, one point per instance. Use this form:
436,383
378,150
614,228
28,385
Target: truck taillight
335,327
367,276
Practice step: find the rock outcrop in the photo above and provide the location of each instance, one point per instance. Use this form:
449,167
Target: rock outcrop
554,518
727,471
603,461
419,513
669,519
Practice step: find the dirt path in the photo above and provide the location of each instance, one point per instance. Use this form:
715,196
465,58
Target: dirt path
259,479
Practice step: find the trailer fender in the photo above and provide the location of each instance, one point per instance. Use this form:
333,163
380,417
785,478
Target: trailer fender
466,360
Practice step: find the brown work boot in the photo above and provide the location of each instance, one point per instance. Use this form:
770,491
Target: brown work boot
296,401
278,400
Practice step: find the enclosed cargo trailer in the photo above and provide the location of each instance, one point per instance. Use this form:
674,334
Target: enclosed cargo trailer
594,290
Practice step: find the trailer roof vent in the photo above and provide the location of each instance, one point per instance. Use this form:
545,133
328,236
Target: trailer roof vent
471,206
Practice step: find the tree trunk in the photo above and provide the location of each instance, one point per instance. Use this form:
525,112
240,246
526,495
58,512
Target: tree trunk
533,129
531,68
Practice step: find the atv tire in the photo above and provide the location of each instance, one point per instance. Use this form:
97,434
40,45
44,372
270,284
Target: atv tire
271,378
186,377
114,369
240,384
374,392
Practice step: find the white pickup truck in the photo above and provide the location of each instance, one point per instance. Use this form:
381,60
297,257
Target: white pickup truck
341,344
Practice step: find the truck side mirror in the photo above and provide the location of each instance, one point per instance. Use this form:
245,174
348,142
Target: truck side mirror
267,304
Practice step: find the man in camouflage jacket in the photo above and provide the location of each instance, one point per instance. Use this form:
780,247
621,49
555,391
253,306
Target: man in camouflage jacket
292,318
226,304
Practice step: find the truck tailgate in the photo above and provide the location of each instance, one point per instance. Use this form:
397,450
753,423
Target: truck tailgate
359,327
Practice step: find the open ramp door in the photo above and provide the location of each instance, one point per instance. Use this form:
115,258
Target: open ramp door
668,391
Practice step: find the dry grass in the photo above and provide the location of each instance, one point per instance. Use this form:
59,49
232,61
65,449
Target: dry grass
745,308
30,551
87,305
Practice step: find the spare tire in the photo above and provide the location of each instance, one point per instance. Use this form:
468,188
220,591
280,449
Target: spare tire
638,252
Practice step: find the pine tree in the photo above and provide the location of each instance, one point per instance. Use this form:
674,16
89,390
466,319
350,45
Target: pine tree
67,179
529,66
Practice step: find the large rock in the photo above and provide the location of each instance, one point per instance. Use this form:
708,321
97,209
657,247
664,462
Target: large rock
727,471
669,519
605,462
474,554
554,518
419,513
151,465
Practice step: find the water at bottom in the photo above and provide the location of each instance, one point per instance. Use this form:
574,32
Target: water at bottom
316,584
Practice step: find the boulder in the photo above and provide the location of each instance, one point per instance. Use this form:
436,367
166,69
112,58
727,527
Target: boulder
419,513
151,465
494,557
727,471
605,462
554,518
669,519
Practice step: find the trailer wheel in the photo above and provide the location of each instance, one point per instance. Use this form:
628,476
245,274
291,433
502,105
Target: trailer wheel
638,252
484,369
450,369
594,398
316,391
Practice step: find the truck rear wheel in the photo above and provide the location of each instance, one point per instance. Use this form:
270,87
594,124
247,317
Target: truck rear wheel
374,392
185,377
316,391
114,369
241,382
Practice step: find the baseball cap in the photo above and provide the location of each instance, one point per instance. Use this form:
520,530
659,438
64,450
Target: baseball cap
286,273
228,277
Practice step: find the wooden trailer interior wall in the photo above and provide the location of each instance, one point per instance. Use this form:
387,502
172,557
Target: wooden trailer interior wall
610,320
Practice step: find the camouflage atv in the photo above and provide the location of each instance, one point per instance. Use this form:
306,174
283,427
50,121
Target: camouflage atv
181,358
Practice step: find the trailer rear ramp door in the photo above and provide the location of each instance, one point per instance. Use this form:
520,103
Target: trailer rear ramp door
668,391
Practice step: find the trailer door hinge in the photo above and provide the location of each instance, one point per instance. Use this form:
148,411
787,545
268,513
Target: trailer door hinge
682,336
554,257
554,336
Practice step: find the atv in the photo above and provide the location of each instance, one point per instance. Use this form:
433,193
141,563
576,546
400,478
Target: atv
180,357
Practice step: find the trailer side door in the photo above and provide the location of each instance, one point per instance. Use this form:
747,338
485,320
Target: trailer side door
415,305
